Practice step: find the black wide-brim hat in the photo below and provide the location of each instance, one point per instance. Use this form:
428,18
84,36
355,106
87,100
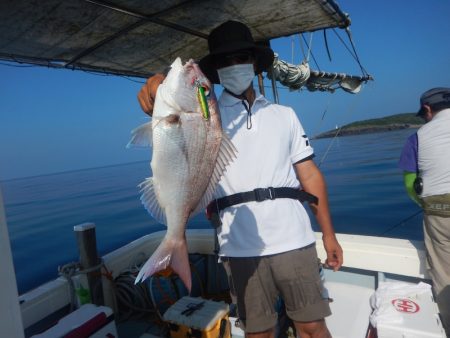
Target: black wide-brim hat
229,37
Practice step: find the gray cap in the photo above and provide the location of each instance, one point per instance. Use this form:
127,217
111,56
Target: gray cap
434,96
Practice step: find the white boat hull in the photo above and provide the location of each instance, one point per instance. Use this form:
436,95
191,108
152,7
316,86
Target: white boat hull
367,261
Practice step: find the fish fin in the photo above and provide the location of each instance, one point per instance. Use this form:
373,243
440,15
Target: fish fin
228,148
177,65
227,153
150,202
169,253
180,264
141,136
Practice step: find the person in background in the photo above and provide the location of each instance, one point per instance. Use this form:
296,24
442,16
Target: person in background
425,162
266,241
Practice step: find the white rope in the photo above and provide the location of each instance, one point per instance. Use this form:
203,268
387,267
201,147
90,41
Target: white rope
306,54
292,76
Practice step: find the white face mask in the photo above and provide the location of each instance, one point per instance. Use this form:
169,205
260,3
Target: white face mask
236,78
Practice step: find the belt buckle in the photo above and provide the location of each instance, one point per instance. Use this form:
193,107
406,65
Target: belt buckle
262,194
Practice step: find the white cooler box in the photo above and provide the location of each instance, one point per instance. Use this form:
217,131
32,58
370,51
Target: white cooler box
89,321
405,310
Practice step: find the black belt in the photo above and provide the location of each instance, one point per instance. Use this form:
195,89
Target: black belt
259,195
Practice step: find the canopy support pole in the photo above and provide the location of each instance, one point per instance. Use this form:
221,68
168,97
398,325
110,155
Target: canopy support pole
261,85
274,88
151,18
125,30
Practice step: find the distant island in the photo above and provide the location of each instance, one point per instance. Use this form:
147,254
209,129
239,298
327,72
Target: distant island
387,123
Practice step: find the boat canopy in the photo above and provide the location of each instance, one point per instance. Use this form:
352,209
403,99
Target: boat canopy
140,37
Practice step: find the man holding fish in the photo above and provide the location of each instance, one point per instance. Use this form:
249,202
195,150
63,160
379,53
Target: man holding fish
263,170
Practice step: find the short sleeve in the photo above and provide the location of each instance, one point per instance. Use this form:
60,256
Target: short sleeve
300,145
408,157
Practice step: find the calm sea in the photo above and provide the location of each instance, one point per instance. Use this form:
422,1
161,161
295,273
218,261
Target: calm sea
365,190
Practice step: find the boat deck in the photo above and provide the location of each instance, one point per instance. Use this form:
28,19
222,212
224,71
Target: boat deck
350,293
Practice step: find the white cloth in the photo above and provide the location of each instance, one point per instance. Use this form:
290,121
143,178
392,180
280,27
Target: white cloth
266,154
381,300
433,154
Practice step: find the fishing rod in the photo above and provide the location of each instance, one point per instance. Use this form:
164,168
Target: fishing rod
400,223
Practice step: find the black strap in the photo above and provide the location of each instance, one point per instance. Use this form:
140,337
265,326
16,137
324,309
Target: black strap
259,195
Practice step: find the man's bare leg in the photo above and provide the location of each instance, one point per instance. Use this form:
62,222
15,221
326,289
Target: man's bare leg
315,329
265,334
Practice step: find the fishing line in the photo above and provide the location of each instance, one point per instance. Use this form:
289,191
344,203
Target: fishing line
319,124
349,34
310,52
345,44
329,147
325,111
350,112
326,44
301,46
354,53
400,223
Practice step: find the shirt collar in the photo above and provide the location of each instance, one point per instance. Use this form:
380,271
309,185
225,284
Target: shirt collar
442,114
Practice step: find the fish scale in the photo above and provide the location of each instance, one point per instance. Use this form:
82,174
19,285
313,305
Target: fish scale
190,153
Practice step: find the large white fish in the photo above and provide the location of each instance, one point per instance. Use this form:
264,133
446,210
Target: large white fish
190,153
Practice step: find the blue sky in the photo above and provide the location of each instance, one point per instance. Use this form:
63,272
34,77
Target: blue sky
58,120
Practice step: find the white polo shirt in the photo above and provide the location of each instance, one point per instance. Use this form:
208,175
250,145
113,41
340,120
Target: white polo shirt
266,154
433,154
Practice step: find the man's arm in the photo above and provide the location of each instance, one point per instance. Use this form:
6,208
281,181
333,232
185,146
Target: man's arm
409,164
312,181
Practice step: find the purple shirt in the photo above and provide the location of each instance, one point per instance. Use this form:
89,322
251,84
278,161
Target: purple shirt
408,158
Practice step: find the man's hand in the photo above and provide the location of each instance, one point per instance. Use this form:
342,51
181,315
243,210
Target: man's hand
312,181
147,94
335,257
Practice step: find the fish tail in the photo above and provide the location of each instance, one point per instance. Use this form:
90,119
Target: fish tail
169,253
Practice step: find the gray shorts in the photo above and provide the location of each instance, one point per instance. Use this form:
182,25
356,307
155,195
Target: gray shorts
256,283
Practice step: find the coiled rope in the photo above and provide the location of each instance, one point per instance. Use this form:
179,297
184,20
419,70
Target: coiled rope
292,76
72,269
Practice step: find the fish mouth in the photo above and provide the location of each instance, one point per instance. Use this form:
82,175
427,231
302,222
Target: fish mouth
198,80
202,83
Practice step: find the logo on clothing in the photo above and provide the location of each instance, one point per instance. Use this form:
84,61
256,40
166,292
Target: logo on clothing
306,139
405,305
